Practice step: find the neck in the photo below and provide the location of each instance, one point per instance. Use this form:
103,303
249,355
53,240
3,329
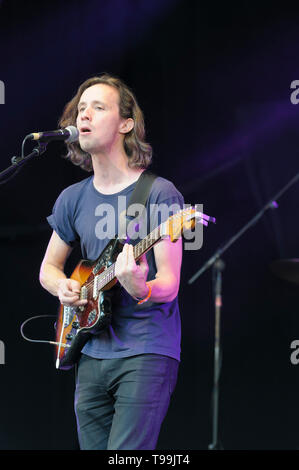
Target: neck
112,172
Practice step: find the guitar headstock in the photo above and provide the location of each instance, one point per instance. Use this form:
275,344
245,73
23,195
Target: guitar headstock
184,220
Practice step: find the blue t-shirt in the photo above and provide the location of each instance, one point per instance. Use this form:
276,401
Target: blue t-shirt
82,214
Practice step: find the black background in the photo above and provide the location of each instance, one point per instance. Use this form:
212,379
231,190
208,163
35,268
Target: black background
213,80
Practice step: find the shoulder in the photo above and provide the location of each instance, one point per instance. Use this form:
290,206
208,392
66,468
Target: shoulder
73,192
164,190
77,188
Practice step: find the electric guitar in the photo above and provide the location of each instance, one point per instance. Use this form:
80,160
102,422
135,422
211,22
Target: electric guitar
75,325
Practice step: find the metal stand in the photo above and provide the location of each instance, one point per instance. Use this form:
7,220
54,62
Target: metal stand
218,266
18,162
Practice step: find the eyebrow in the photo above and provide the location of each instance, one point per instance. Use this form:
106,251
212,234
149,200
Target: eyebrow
93,102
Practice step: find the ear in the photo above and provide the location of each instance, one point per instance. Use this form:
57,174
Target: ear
126,126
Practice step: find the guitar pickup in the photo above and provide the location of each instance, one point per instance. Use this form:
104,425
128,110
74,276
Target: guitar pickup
83,293
95,286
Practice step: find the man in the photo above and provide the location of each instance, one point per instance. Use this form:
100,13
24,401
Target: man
128,372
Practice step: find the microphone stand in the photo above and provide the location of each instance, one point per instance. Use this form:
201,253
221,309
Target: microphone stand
18,162
218,265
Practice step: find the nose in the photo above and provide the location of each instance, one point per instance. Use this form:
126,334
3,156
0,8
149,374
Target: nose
86,114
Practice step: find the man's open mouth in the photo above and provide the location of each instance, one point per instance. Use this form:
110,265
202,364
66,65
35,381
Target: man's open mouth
85,130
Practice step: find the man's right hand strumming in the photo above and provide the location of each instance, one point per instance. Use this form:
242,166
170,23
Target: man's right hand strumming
68,291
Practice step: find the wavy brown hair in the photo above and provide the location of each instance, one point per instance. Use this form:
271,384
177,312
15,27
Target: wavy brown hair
138,151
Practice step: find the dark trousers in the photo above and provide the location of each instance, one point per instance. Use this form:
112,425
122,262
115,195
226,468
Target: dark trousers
121,403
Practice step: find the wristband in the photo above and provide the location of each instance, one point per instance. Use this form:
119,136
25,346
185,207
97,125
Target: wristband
141,301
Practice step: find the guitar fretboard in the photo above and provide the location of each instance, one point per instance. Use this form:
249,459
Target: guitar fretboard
102,279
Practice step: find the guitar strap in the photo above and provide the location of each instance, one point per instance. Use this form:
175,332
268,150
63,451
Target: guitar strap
140,194
142,188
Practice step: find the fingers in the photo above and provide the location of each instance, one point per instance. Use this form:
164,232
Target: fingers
143,264
130,257
69,293
77,303
125,262
130,275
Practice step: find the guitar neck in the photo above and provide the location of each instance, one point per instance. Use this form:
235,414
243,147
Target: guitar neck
147,243
172,228
101,280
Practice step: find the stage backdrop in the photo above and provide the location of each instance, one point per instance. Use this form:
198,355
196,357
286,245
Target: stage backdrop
215,86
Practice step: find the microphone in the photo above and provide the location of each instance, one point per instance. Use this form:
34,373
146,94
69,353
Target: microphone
69,134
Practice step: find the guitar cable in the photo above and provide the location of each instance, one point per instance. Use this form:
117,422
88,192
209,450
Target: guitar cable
44,340
36,340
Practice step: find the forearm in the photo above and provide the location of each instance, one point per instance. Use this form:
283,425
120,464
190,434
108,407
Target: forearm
163,289
49,278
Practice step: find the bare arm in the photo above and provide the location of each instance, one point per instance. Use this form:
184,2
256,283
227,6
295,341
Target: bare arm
52,276
165,286
168,257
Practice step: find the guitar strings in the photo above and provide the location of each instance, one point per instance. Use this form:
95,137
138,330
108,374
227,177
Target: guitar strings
110,269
